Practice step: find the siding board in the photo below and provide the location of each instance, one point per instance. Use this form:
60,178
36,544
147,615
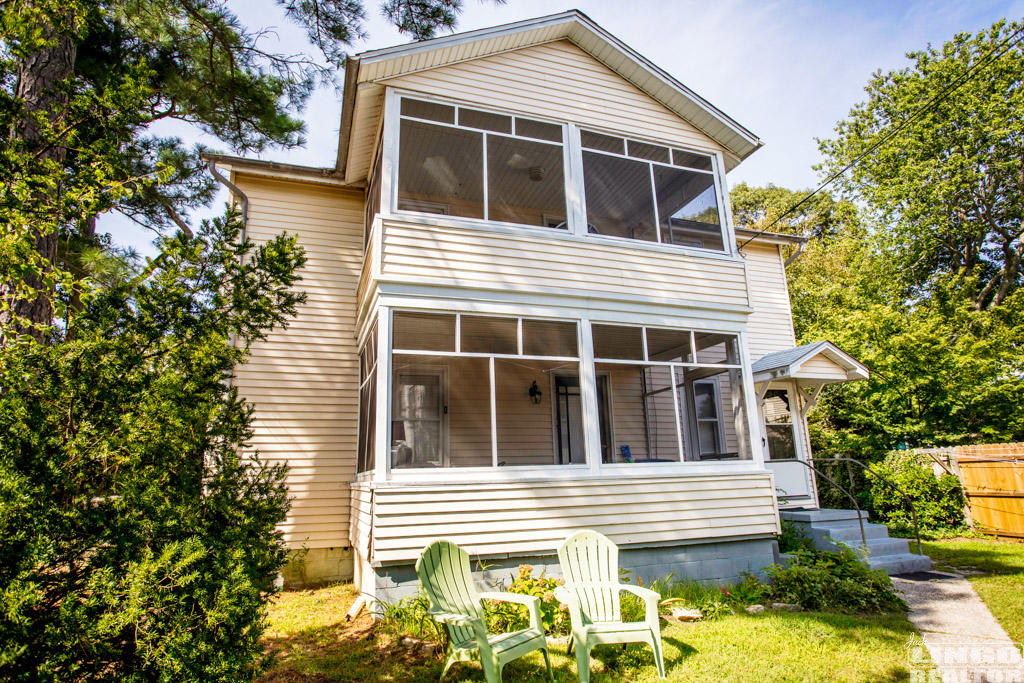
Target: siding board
498,518
557,80
303,380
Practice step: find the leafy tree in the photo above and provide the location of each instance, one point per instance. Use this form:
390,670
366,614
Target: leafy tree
136,541
949,186
83,81
768,208
942,372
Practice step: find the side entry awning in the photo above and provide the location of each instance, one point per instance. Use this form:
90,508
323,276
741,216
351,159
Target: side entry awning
819,363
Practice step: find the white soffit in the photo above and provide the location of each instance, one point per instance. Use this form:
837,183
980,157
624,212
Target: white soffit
376,65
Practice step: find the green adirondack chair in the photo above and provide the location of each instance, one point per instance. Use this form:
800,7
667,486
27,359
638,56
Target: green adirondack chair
443,569
590,567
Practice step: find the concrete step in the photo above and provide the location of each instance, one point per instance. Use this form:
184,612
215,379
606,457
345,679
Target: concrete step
882,545
848,533
901,564
825,515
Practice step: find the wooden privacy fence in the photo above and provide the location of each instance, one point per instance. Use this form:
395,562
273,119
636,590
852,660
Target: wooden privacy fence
993,479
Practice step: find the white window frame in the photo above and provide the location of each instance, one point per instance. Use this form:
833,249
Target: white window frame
412,472
796,420
594,468
573,173
395,132
724,228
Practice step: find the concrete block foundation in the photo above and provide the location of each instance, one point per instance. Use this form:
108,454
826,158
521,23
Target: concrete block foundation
312,567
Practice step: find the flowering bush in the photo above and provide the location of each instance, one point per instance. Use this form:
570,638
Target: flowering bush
508,616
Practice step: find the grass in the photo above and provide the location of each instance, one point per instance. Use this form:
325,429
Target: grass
1001,584
311,641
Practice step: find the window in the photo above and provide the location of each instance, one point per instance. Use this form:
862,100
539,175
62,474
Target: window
479,391
671,395
372,201
710,429
778,425
649,192
461,161
367,403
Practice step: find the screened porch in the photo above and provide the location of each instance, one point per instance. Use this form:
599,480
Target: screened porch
466,391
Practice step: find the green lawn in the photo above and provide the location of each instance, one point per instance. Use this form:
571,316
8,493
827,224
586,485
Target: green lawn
1001,585
312,642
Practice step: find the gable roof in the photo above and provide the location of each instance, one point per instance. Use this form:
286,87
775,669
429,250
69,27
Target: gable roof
787,363
572,25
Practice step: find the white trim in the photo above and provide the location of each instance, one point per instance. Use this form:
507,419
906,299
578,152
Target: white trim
574,188
382,458
748,393
501,301
725,210
494,414
588,398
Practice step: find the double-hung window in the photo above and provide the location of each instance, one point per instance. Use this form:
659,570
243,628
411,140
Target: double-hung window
463,161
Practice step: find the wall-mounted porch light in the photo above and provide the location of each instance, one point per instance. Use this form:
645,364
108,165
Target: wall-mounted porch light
535,393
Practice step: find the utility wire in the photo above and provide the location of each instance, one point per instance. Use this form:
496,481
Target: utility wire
1002,48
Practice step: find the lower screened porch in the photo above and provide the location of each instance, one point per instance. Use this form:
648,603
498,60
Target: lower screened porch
506,432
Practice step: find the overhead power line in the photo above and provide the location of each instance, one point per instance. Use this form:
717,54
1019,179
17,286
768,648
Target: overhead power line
1001,49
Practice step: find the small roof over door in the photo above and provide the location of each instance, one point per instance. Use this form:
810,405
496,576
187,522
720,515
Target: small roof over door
819,363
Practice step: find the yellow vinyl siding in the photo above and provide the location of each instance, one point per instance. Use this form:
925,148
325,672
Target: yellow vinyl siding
820,366
557,80
770,326
470,257
535,516
303,380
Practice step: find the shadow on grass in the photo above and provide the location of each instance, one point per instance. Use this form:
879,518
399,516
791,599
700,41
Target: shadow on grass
311,641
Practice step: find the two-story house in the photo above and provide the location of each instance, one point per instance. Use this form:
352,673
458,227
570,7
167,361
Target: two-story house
529,313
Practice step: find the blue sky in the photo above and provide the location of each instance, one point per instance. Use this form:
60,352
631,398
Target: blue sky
786,70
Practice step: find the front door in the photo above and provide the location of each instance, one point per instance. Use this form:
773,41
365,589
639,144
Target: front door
782,439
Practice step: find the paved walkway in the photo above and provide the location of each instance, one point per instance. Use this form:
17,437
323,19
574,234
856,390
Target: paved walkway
964,640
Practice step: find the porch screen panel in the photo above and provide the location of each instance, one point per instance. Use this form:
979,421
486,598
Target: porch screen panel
525,183
644,191
440,415
673,394
539,430
440,170
463,161
444,410
367,443
642,414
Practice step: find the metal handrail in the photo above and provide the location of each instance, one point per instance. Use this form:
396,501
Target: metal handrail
910,503
860,518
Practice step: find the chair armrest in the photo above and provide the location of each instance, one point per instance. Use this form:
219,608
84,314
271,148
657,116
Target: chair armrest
532,603
454,619
650,598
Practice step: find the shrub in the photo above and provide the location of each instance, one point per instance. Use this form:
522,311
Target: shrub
509,616
793,538
137,541
839,581
938,501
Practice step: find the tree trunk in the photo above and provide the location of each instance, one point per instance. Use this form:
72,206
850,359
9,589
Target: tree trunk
38,77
